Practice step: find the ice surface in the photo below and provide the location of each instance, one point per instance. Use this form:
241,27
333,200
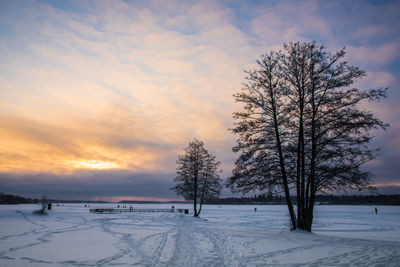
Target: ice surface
224,236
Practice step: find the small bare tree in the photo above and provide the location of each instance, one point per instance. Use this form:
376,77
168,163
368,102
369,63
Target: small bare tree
197,175
43,202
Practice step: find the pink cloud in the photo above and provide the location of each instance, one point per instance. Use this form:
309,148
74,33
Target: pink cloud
376,56
290,22
371,31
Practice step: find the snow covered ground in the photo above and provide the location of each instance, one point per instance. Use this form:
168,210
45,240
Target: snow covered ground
223,236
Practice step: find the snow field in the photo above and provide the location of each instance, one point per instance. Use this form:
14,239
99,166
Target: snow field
223,236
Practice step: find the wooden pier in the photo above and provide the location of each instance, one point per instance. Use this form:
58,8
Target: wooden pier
114,211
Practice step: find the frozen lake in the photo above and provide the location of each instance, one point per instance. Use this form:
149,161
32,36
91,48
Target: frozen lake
224,236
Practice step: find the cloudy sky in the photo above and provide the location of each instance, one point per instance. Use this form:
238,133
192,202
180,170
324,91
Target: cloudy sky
97,98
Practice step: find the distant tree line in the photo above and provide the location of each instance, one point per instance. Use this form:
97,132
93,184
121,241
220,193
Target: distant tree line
358,200
12,199
320,199
262,199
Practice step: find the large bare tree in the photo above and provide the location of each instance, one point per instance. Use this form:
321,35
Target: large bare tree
197,175
302,130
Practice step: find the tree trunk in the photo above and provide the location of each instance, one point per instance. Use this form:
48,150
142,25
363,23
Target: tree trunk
202,196
300,169
298,175
308,218
195,214
282,166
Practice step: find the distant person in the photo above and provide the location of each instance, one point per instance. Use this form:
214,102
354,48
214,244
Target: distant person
131,209
255,209
376,210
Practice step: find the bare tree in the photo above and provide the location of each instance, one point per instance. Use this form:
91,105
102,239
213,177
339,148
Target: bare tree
302,127
197,175
43,202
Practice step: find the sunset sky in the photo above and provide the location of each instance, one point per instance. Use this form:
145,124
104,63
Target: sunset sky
98,98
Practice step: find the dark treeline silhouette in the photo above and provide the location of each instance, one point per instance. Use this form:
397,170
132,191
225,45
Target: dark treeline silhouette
12,199
358,200
255,200
320,199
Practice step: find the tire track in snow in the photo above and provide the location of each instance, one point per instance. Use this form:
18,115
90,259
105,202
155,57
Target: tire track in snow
45,233
223,255
365,256
184,245
41,226
159,249
135,246
105,224
197,244
109,260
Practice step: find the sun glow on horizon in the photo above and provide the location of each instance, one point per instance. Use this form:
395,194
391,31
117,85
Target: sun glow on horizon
386,184
95,164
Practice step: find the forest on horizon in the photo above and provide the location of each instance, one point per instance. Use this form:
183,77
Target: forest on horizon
255,200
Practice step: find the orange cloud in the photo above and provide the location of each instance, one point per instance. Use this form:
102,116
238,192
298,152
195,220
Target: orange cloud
73,144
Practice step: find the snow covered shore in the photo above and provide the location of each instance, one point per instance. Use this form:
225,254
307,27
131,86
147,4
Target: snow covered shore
223,236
